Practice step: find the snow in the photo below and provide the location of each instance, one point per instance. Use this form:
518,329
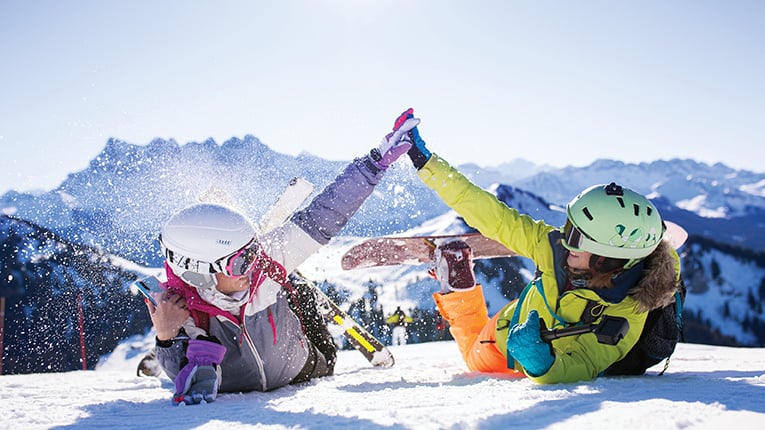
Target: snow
755,189
700,205
428,388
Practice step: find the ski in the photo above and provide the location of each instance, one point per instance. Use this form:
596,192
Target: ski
289,201
372,348
367,344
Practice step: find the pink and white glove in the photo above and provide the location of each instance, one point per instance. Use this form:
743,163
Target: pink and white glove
199,380
397,142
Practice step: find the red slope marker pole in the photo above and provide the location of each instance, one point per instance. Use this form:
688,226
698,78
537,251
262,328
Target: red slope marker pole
81,322
2,330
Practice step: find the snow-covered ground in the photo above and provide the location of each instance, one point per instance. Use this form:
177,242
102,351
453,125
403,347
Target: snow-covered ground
428,388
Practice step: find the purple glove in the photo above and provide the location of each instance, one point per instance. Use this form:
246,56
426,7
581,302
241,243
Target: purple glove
396,143
199,380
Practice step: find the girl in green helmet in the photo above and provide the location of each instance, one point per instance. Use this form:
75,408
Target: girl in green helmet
608,263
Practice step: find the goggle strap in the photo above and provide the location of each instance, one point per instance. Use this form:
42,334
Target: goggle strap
189,263
194,265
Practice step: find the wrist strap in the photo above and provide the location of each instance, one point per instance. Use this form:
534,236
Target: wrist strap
418,158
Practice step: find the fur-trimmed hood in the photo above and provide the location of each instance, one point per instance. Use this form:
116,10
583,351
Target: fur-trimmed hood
660,279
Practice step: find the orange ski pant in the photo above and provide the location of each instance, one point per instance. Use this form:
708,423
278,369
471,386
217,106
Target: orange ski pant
473,331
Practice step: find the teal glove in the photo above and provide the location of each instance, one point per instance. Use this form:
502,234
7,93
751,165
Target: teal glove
418,147
525,344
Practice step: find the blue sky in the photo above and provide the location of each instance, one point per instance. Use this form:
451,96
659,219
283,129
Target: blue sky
556,82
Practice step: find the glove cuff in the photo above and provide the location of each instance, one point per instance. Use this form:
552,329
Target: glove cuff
418,158
204,352
372,162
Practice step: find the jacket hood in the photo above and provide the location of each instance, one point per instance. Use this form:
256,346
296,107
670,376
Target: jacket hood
660,279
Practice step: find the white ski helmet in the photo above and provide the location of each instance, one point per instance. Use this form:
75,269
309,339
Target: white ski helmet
196,238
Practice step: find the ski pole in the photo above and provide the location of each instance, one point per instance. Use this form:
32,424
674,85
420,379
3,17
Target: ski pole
609,331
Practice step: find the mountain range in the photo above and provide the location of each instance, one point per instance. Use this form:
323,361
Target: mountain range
113,210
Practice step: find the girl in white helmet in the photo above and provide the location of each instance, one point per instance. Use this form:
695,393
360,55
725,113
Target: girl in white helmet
225,323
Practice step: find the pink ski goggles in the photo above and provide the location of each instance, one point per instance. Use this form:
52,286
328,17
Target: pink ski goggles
241,262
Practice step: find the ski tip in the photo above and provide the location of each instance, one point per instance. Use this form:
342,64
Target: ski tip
383,359
346,263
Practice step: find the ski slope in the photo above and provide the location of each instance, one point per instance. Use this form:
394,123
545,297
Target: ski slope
428,388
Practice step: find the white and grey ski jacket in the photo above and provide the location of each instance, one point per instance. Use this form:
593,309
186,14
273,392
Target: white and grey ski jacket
265,344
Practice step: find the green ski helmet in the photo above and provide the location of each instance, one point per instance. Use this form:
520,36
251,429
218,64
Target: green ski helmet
613,221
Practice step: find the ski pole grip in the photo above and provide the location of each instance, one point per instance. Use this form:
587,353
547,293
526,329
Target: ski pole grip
610,330
548,335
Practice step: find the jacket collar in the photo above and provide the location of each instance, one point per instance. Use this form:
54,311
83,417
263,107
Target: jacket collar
657,287
652,283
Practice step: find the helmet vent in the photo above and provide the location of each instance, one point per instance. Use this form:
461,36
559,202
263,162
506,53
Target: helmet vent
621,201
648,210
636,209
587,213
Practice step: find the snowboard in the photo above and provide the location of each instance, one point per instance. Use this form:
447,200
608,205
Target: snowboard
415,250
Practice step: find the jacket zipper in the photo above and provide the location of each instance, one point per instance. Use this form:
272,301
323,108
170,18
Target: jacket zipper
258,360
245,336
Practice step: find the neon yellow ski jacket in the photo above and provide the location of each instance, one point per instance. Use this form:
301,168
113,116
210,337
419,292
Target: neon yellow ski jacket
578,357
